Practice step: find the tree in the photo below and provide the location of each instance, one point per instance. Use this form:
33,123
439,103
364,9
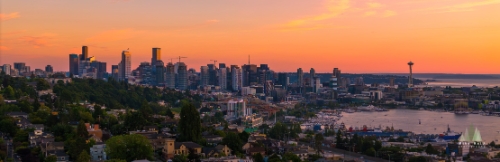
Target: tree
258,158
9,93
42,84
190,123
430,150
417,159
338,138
370,152
81,130
233,141
291,157
51,158
129,147
83,157
318,140
244,136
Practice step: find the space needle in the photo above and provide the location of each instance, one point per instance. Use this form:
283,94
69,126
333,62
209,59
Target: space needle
410,80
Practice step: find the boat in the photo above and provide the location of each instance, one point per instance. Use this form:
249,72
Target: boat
461,113
475,112
367,108
350,111
450,135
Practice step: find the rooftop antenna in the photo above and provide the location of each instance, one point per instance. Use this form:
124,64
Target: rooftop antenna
248,59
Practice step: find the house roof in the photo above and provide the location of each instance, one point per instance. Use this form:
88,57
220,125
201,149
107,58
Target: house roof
17,113
256,149
190,145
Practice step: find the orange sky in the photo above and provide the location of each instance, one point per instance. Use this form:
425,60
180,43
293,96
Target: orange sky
357,36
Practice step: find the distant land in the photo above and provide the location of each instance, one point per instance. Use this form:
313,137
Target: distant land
437,76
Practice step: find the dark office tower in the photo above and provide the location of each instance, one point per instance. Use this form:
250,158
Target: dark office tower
181,79
222,65
156,57
249,75
85,53
337,74
73,64
283,79
49,69
170,75
114,71
300,77
212,74
19,66
312,75
101,69
391,81
262,74
204,76
160,73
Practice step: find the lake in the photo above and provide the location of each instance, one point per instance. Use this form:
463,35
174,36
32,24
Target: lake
432,122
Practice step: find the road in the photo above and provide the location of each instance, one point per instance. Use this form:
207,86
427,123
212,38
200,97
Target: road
348,155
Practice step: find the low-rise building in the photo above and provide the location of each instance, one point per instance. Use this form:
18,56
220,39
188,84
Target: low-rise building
97,152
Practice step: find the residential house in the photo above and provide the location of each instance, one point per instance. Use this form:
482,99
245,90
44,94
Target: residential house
47,147
172,148
256,150
302,154
23,122
227,159
213,139
60,154
94,131
218,151
18,114
36,138
97,152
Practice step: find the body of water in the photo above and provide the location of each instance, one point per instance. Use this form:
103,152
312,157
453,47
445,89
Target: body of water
431,122
464,82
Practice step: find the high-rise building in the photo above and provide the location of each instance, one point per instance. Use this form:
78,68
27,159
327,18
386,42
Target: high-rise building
181,79
222,65
337,74
160,73
115,71
249,75
49,69
6,69
170,75
312,75
222,79
20,67
212,74
391,82
156,57
126,64
300,77
73,64
359,81
101,70
236,77
283,79
204,76
85,53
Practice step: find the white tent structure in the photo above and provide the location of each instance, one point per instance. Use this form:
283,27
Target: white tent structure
470,139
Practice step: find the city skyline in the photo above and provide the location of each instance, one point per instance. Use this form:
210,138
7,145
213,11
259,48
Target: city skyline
356,36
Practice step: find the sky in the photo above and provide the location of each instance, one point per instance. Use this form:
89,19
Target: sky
357,36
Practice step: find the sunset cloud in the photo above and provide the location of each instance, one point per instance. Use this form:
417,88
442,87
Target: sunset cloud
200,25
370,13
5,17
38,41
4,48
335,8
467,6
374,5
114,35
389,13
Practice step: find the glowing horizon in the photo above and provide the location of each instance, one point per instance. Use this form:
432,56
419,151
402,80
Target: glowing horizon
366,36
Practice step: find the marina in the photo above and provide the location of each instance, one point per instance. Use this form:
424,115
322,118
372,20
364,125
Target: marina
431,122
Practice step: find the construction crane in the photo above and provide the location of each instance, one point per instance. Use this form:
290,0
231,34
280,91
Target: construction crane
215,62
177,58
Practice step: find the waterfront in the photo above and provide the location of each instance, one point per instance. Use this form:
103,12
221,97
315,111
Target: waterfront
463,82
432,122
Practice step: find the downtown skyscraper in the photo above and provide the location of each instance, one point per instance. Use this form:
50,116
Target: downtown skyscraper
125,65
